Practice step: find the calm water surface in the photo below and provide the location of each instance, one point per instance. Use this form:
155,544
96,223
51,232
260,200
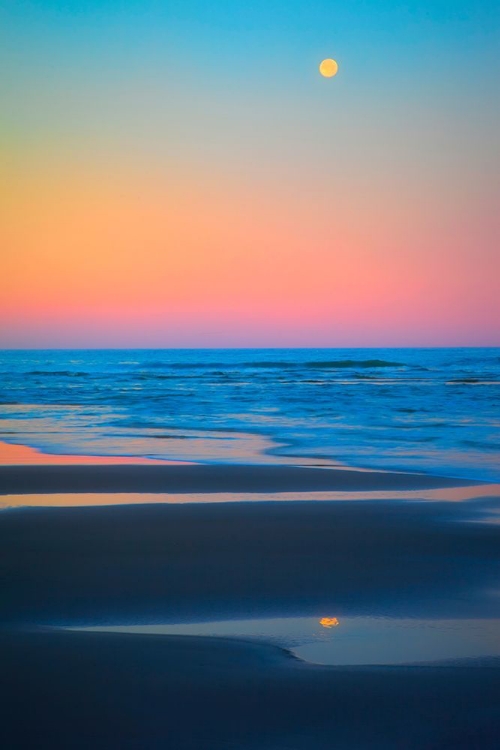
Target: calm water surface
352,640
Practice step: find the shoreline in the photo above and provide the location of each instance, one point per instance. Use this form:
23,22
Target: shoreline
20,454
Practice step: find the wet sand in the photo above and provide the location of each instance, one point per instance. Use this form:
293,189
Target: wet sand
165,562
208,478
88,690
160,563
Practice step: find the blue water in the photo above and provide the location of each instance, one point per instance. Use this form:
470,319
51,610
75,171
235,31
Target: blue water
431,410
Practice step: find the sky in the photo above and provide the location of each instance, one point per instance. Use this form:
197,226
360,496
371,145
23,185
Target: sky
177,173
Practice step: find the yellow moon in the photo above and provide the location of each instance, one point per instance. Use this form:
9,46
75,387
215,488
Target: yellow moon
328,68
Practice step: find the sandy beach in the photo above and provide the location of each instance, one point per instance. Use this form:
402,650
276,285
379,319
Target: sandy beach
208,478
78,566
118,691
161,562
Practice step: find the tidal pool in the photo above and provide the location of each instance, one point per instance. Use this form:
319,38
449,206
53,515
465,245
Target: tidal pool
332,640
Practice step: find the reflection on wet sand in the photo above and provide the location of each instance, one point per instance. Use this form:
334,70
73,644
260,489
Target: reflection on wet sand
443,494
329,622
360,641
23,455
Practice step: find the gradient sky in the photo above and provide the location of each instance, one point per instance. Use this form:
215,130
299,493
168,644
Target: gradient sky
177,173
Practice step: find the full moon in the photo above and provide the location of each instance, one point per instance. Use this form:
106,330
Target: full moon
328,68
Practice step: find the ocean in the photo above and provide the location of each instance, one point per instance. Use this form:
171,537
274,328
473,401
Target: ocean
421,410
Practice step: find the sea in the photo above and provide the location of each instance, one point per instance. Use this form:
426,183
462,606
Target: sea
420,410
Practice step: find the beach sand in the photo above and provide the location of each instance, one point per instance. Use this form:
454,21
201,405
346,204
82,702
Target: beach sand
77,566
208,478
88,690
165,562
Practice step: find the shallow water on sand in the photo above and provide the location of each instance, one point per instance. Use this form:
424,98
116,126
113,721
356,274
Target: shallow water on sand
484,493
343,641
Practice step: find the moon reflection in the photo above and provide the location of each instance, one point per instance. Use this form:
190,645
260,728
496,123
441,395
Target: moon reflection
329,622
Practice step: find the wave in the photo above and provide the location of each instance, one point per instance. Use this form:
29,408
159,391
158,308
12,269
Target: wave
336,364
154,376
353,363
472,381
217,366
481,445
60,373
489,360
223,367
169,437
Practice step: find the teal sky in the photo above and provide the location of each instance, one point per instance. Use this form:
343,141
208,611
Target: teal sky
225,99
442,55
